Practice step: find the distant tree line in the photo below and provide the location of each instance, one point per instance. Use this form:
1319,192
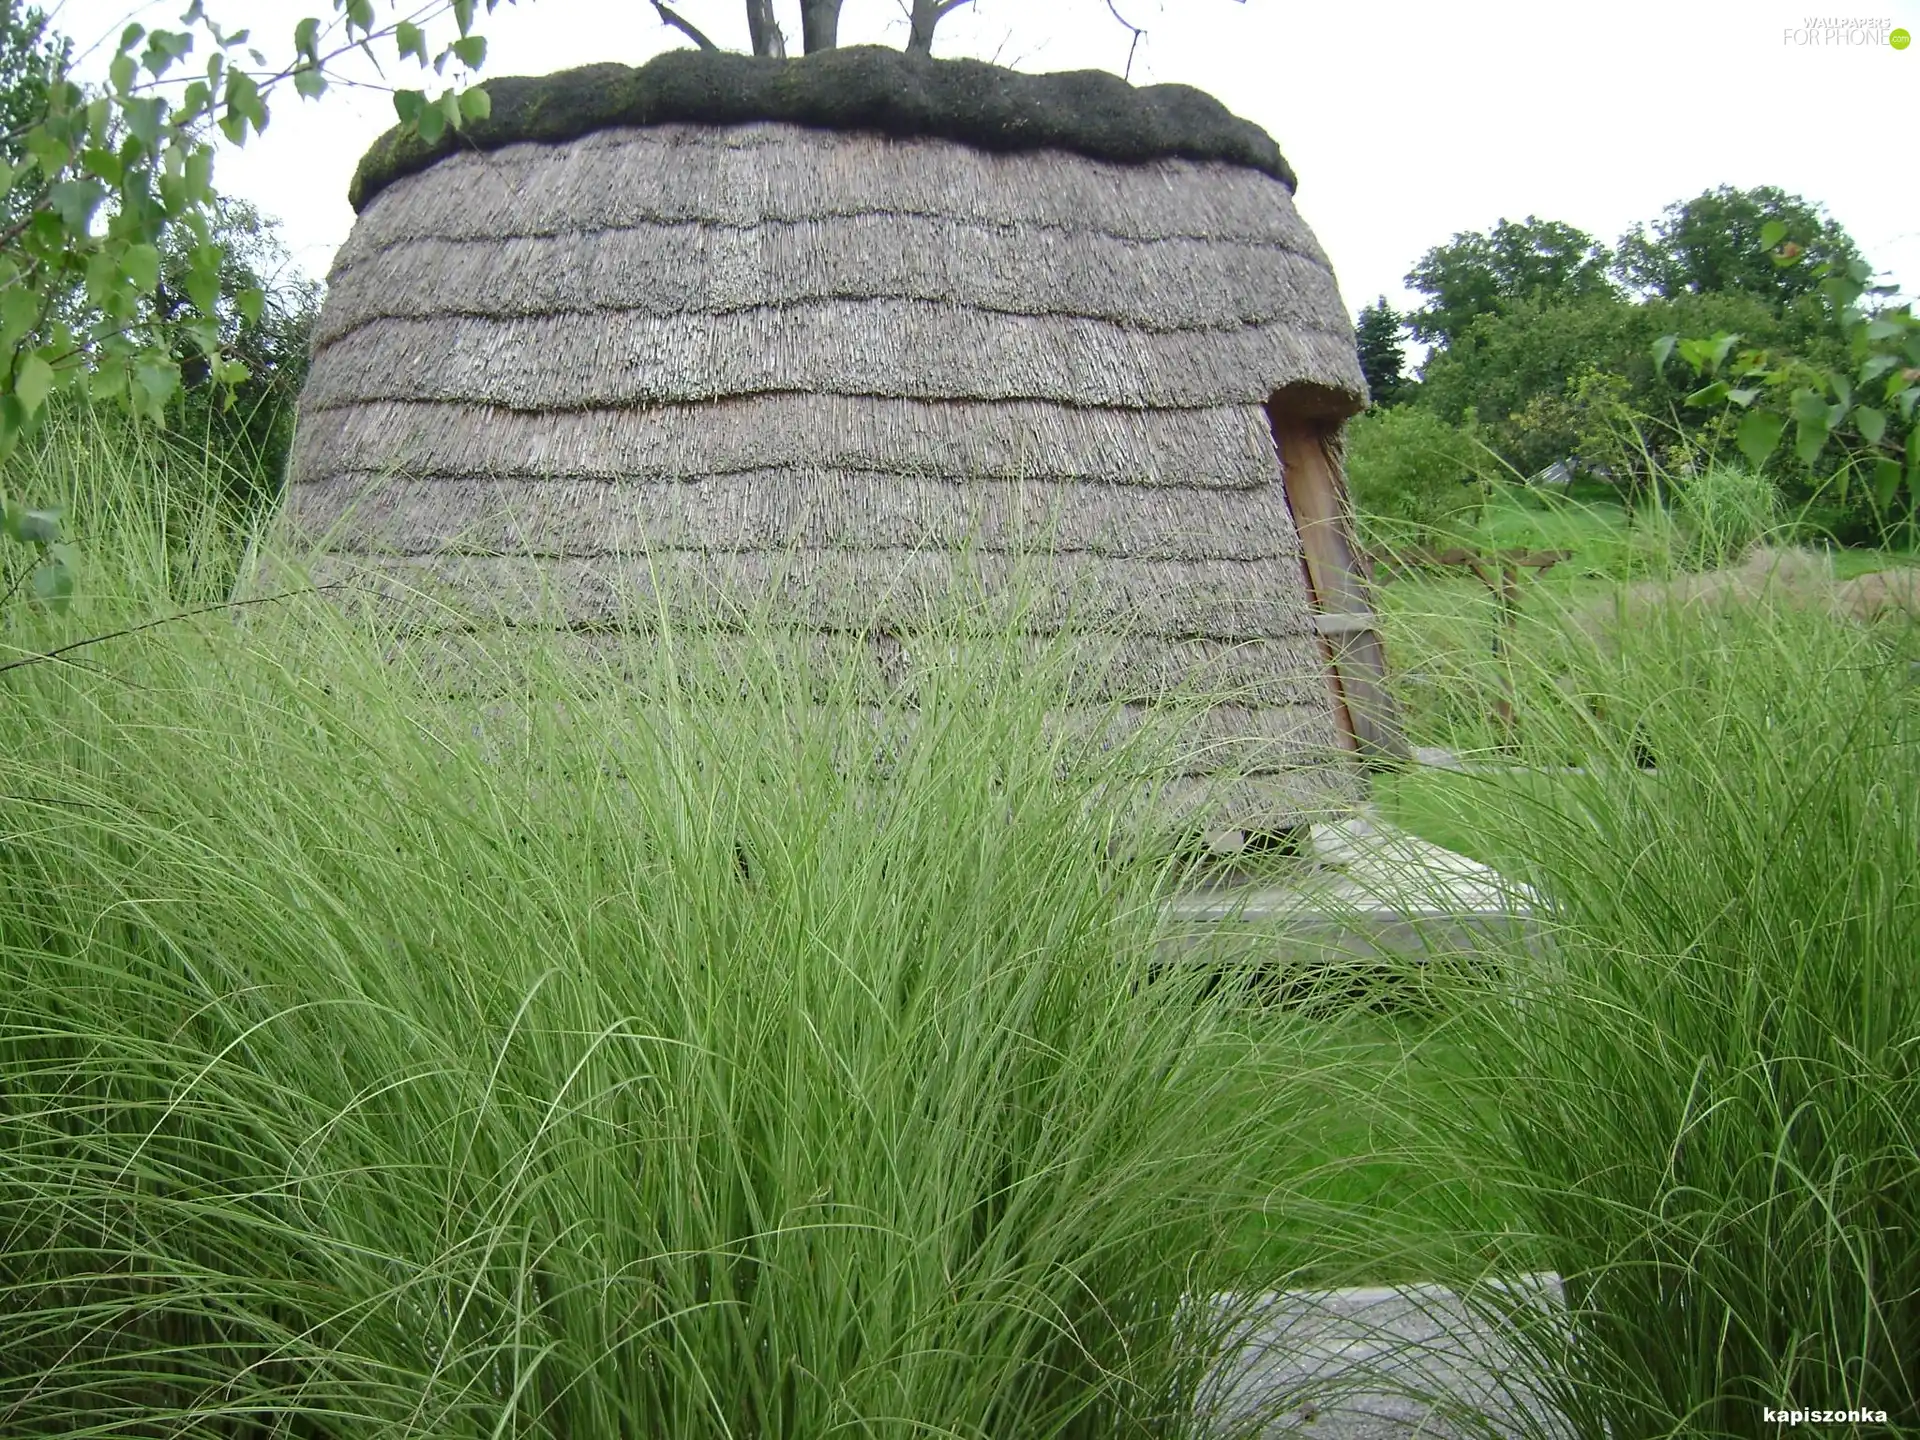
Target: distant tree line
1544,340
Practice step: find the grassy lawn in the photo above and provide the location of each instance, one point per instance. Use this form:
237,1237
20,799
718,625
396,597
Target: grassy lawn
1354,1192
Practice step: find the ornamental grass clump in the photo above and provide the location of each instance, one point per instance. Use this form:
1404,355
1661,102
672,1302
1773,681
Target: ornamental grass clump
1708,1081
375,1062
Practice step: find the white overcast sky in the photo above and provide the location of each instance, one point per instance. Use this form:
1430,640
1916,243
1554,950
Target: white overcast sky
1406,122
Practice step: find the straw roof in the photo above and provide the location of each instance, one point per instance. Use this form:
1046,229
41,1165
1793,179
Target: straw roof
846,367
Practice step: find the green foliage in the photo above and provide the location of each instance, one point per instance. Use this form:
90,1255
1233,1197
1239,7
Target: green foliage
1382,360
104,181
265,313
1381,356
1412,473
1553,380
1851,414
50,577
1478,274
1710,1097
123,276
1717,243
1724,510
32,60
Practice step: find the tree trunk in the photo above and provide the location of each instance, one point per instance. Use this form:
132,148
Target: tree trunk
819,25
927,14
765,30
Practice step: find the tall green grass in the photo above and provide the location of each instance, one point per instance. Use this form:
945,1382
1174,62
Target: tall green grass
380,1062
1708,1081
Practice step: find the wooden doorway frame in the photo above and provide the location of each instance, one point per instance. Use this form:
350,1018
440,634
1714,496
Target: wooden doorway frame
1306,423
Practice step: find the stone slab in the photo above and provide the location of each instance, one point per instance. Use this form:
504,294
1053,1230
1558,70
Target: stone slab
1386,1363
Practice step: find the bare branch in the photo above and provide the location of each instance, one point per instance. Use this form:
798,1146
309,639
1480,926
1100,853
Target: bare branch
927,14
1138,33
667,17
765,30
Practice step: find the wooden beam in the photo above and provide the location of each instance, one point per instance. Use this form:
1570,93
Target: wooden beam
1356,660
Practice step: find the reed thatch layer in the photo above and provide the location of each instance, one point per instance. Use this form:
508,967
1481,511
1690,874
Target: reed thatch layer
895,589
1263,759
1149,739
773,510
903,348
842,383
758,174
860,87
1101,670
959,440
674,269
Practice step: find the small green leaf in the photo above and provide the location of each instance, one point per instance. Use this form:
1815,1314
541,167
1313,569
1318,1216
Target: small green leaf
309,83
1886,480
155,377
408,104
249,303
34,527
1882,329
122,73
433,123
203,278
53,584
1712,394
1743,397
1772,233
1841,386
476,105
32,382
1905,400
1876,366
472,50
411,40
130,37
1758,435
102,162
1663,350
203,333
1809,407
306,39
19,313
360,14
463,15
1810,437
144,118
109,382
1871,423
74,201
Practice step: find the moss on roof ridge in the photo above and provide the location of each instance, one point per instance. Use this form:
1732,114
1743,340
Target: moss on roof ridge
861,87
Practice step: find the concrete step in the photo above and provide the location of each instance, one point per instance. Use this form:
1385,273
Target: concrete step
1364,891
1388,1363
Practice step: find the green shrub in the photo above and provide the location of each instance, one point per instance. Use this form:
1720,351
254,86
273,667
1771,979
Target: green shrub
1724,510
1707,1071
1411,473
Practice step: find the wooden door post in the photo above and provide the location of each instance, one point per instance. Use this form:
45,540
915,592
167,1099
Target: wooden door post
1343,608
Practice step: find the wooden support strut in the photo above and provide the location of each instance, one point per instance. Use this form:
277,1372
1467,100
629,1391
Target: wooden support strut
1343,613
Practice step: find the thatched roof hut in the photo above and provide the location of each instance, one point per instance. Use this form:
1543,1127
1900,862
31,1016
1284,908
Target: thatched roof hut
820,323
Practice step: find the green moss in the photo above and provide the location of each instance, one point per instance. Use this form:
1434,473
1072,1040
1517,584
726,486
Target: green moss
863,87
